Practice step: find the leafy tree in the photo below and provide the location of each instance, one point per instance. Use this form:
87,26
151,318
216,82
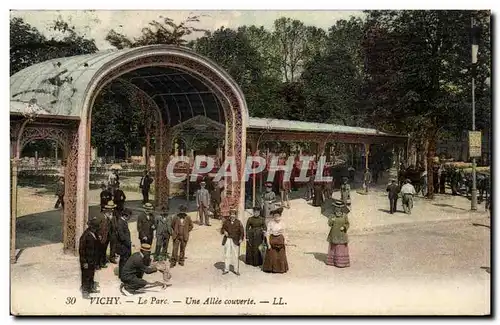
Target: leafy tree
332,88
418,71
29,46
165,32
233,51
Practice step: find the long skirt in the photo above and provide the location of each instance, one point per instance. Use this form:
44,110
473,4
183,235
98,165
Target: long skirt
338,255
253,256
275,260
318,196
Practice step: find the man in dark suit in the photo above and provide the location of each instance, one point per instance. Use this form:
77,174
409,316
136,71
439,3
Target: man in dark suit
234,233
60,193
88,251
393,191
105,233
215,200
105,196
124,242
145,185
146,224
119,198
163,233
134,269
181,227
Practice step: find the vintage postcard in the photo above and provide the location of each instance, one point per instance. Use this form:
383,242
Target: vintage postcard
250,162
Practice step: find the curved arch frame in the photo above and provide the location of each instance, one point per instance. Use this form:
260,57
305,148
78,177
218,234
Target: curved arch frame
224,88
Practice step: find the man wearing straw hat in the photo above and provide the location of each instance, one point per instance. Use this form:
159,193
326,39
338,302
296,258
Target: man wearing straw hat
88,249
134,269
105,233
234,233
146,224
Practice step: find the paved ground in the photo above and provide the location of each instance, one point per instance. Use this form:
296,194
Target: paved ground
429,262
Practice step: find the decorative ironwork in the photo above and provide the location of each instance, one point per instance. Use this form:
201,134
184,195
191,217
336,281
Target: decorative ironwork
222,90
59,135
70,180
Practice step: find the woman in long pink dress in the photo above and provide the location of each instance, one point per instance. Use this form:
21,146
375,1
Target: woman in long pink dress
338,250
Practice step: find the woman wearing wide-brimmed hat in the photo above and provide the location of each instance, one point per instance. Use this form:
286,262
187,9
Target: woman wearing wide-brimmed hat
338,251
255,228
275,260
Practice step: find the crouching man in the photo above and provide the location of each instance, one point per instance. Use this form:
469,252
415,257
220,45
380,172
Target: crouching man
134,269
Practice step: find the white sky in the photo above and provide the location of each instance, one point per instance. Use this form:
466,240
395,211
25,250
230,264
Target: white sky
96,24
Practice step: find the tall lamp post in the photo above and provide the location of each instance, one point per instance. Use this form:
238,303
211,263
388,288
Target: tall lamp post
475,40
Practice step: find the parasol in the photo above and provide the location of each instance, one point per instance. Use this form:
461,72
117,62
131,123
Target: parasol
116,167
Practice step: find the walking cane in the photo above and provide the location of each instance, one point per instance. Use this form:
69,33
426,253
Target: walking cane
238,266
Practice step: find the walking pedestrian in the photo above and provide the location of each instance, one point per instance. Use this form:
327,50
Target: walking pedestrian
60,193
345,192
367,179
392,192
145,185
407,192
234,233
338,251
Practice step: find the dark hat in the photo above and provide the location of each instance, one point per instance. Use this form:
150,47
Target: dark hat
93,222
183,208
164,208
256,208
277,211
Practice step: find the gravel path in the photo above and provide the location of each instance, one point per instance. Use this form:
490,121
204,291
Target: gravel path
425,263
